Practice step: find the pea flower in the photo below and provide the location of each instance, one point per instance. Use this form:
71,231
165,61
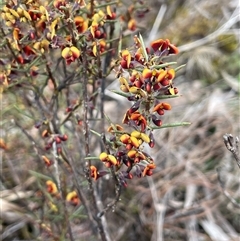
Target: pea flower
73,198
108,159
70,54
163,47
51,187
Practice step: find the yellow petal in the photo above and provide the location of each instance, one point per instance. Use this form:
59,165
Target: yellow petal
51,187
10,17
112,159
127,56
93,28
172,73
52,27
123,81
134,90
65,52
147,73
162,74
14,13
94,50
124,138
145,137
46,160
75,52
171,91
103,156
132,153
123,88
19,10
70,195
27,15
136,134
134,141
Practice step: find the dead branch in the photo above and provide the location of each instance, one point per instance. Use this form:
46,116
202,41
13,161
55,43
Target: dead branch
232,146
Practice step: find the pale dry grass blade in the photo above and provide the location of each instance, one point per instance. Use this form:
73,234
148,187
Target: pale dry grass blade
231,81
214,231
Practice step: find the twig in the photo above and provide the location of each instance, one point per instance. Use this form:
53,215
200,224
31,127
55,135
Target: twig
226,193
78,187
118,186
87,148
232,147
117,198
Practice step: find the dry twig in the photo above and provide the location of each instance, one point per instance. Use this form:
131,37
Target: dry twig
232,146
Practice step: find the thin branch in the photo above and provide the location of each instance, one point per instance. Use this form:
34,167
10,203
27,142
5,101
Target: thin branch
226,193
232,146
116,200
87,148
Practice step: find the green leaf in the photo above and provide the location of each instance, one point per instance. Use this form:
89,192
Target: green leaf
91,158
160,97
171,125
121,93
39,175
22,112
180,67
143,48
96,133
160,66
78,213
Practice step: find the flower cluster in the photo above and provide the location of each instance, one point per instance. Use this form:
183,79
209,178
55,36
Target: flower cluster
144,80
35,28
67,30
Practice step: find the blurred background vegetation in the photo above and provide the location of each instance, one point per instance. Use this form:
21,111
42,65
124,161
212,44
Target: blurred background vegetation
195,191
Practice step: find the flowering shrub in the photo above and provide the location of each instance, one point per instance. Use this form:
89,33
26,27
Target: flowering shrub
144,80
53,49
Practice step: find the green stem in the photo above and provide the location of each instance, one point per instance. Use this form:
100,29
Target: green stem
171,125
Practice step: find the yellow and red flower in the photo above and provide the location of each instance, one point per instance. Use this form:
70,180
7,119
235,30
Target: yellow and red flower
161,46
42,46
137,117
140,136
126,59
160,107
72,197
124,84
70,54
110,14
112,129
148,170
132,24
47,161
51,187
108,160
99,46
136,155
129,141
165,77
94,172
135,139
81,24
147,73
